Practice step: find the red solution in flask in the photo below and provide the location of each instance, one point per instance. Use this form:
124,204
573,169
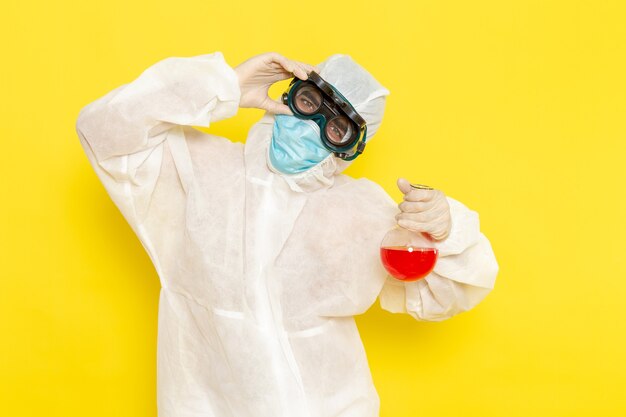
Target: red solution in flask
408,263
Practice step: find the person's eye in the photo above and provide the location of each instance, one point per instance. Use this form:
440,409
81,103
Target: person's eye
336,133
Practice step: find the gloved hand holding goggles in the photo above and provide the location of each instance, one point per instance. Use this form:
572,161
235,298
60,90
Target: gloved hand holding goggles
342,129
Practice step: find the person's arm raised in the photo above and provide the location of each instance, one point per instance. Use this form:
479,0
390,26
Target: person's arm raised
191,91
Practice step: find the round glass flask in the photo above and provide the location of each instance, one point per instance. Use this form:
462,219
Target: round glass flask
408,255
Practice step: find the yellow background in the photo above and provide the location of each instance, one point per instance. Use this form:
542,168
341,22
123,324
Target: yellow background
515,108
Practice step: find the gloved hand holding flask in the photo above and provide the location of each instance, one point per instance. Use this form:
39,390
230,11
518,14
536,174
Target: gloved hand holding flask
407,251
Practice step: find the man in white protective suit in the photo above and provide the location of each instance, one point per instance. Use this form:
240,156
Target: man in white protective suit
265,251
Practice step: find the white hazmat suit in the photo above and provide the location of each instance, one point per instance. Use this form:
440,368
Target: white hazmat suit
261,274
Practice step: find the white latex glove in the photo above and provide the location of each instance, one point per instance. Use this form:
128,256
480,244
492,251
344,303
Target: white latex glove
257,74
424,211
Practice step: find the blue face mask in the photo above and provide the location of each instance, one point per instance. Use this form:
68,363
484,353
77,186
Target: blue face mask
296,145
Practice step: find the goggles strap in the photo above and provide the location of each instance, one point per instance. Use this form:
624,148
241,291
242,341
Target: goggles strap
359,150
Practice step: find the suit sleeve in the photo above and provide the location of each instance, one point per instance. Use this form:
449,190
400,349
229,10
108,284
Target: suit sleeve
463,276
126,133
175,91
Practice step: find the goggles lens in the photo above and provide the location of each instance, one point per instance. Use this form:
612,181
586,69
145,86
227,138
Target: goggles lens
308,99
339,130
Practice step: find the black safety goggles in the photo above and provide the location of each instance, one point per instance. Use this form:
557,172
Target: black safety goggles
343,131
